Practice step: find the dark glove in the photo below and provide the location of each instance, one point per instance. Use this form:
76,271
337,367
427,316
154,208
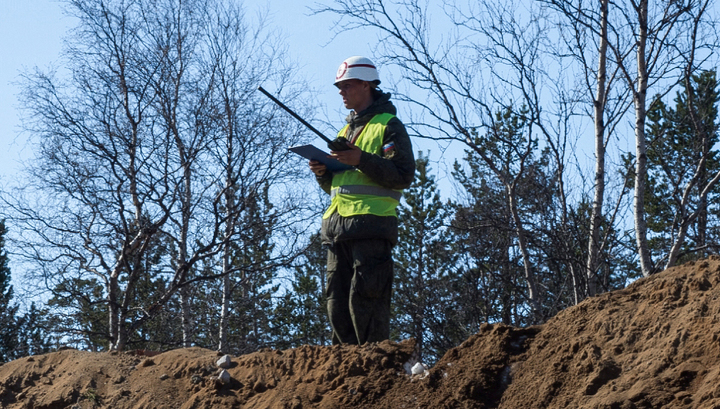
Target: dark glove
339,144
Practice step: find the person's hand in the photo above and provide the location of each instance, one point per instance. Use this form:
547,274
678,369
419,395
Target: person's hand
317,168
349,157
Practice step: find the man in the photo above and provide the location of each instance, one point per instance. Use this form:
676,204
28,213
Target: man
361,225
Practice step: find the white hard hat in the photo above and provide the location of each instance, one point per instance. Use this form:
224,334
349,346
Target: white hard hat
357,68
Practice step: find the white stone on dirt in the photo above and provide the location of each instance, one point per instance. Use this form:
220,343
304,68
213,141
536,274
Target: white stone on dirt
224,362
224,377
418,369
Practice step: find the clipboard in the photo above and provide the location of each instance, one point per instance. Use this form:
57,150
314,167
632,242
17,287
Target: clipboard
313,153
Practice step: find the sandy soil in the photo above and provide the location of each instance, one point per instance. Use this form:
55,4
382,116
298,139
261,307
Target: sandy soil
654,344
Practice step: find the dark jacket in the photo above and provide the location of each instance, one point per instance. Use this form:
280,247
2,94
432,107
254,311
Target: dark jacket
393,169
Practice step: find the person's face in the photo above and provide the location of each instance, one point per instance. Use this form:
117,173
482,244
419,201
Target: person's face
355,94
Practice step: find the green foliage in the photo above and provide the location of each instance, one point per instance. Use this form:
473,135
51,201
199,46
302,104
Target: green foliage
492,283
253,285
135,154
80,310
458,265
424,304
8,311
301,313
679,138
35,333
617,265
507,140
492,265
490,269
163,331
91,395
20,335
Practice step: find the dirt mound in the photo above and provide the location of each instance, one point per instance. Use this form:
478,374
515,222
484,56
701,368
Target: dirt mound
654,344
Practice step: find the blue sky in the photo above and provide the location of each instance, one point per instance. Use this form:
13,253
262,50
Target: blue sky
29,36
31,33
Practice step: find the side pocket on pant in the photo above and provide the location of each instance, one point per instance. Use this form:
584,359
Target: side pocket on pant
333,284
372,281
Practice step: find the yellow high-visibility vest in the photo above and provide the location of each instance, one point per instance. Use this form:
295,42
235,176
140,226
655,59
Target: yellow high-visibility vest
353,192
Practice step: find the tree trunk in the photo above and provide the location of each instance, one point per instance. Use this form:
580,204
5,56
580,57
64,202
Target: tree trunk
533,295
122,332
598,113
229,227
113,313
702,221
679,240
186,317
639,98
700,214
225,307
224,311
687,219
186,198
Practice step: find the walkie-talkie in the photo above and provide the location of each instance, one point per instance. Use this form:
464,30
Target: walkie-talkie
338,144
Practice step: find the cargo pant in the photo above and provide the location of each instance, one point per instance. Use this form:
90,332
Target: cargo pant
359,288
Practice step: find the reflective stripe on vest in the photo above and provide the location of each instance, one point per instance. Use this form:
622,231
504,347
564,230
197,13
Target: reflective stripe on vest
366,190
353,192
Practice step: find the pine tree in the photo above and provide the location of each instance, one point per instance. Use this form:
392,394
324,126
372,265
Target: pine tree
164,330
517,258
80,306
252,283
80,313
34,332
424,270
680,137
8,311
255,279
301,314
490,273
20,335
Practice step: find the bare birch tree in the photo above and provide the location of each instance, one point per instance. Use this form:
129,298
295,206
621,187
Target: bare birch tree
685,215
584,28
125,151
252,137
654,30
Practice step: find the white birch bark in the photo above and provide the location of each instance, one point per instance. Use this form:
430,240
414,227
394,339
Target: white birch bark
599,120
